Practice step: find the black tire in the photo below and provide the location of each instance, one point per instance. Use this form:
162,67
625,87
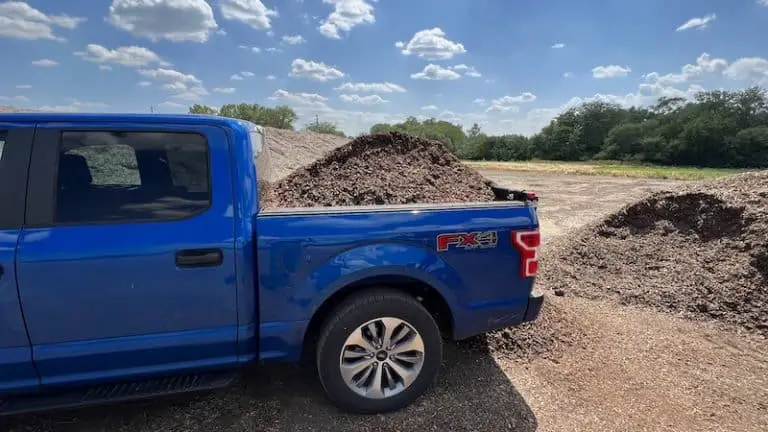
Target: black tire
356,311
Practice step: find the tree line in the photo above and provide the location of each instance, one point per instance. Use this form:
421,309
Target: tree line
281,117
715,128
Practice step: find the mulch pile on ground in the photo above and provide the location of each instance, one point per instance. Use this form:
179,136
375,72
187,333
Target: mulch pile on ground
554,329
701,252
386,168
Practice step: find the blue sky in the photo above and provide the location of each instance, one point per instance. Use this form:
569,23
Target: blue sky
508,65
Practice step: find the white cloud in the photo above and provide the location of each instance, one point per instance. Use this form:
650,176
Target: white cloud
254,49
363,100
144,83
294,40
762,2
224,90
435,72
558,45
169,104
173,20
700,23
175,86
105,67
192,93
273,50
753,69
346,15
568,75
187,86
610,71
14,98
132,56
705,64
21,21
44,63
247,74
236,77
75,106
382,87
316,71
221,32
430,108
509,103
169,74
431,44
303,99
24,86
271,77
251,12
479,101
469,71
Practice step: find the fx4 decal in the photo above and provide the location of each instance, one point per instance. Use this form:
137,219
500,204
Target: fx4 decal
470,240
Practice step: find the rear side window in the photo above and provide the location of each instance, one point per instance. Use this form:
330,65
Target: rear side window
3,135
112,176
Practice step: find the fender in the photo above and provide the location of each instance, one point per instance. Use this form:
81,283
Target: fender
383,259
311,289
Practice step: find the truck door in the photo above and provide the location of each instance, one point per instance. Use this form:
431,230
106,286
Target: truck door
17,373
126,264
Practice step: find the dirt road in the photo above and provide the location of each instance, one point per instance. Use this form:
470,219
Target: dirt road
636,370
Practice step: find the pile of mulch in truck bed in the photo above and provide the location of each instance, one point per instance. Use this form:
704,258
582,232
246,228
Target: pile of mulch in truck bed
701,252
290,150
385,168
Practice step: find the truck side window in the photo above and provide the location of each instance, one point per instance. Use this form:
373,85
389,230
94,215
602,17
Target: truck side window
131,176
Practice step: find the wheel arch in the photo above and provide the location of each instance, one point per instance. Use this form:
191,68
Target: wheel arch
429,296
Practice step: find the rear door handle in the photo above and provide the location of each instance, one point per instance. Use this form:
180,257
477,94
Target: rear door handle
199,258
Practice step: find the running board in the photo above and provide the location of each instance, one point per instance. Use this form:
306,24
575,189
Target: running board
114,393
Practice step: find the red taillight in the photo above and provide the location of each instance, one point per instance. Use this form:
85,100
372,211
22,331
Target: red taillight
527,244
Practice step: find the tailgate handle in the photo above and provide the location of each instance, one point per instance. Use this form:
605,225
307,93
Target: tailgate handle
199,257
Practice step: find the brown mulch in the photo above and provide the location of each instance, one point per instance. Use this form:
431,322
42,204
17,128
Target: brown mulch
556,327
290,150
386,168
701,252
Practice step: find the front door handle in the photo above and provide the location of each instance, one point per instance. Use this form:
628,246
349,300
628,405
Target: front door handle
199,258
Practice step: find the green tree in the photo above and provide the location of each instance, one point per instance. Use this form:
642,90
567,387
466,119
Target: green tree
750,147
325,128
202,109
281,117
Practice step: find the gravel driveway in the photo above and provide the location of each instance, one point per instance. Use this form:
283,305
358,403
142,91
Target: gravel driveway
635,370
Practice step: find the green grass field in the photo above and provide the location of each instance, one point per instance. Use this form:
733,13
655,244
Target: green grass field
608,168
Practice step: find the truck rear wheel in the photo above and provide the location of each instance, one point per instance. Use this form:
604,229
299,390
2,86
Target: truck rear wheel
379,351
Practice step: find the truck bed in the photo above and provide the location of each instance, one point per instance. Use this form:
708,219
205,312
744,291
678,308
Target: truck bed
306,254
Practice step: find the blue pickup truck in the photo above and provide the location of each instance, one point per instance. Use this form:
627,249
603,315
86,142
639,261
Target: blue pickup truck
136,260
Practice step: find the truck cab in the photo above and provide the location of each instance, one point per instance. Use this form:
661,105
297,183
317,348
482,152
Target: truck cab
135,249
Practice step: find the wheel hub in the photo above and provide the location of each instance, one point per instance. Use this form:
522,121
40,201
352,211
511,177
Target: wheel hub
382,357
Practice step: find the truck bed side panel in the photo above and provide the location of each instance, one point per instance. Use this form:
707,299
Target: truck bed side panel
303,259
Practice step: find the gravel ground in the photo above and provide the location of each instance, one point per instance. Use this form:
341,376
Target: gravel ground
630,369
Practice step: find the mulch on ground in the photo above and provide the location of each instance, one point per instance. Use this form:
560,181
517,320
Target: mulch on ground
701,252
